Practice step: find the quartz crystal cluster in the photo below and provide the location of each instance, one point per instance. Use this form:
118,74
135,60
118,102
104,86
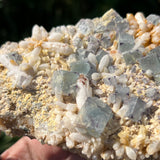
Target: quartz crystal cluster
91,88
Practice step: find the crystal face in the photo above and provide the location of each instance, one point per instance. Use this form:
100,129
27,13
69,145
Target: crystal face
15,57
153,18
100,54
94,116
131,57
151,62
80,67
122,91
93,44
136,108
85,26
64,82
126,42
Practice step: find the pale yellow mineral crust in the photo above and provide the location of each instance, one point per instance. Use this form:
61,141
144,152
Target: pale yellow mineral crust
108,59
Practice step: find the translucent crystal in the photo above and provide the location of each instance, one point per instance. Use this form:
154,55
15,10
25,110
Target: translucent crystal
136,108
131,57
157,78
122,26
156,51
80,66
152,93
112,14
112,81
106,40
64,82
100,54
122,91
93,44
153,18
85,26
114,21
150,62
15,57
94,116
111,18
125,42
82,53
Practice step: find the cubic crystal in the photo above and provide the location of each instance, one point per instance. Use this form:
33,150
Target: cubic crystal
151,62
131,57
125,42
16,57
85,26
136,108
64,82
94,116
80,66
154,19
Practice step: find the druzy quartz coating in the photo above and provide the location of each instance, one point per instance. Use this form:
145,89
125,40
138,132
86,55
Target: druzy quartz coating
91,88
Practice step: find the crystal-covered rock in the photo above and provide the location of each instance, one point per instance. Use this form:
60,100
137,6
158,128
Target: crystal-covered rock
131,57
125,42
64,82
93,117
154,19
81,66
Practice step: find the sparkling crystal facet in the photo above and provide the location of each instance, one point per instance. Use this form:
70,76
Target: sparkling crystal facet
94,116
64,82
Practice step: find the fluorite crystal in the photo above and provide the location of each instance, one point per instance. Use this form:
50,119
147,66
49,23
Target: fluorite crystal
81,66
154,19
125,42
112,81
94,116
93,44
64,82
85,26
136,107
15,57
100,54
150,62
131,57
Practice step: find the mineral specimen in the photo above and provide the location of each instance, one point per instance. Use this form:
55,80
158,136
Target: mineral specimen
91,88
